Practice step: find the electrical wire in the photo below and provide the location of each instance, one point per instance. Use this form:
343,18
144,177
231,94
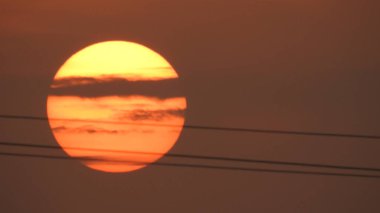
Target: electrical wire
199,127
200,157
202,166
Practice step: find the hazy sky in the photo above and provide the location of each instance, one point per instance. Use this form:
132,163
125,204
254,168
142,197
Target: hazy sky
269,64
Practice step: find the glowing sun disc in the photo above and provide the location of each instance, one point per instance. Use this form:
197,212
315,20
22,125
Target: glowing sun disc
94,84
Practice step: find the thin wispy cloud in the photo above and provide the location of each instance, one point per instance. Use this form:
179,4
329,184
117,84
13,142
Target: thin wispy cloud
113,86
86,129
151,115
89,129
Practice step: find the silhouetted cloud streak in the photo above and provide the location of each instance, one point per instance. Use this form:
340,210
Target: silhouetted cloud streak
89,129
85,129
96,87
152,115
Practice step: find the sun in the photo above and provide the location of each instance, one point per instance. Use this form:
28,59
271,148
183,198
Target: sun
117,106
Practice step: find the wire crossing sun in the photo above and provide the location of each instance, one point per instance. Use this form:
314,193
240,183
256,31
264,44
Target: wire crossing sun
132,90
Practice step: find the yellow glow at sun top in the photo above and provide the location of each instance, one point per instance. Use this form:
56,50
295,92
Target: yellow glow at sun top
120,59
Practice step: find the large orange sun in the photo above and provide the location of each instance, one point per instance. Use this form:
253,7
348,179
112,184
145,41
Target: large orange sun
116,105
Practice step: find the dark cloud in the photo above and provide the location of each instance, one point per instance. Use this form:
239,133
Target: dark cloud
152,115
69,82
96,130
109,86
86,129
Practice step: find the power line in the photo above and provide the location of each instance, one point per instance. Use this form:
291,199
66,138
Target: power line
229,129
201,157
202,166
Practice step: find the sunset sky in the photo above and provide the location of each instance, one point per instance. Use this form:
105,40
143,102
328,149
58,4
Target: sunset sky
291,65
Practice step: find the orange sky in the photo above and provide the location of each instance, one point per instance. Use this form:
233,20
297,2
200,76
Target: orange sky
294,65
